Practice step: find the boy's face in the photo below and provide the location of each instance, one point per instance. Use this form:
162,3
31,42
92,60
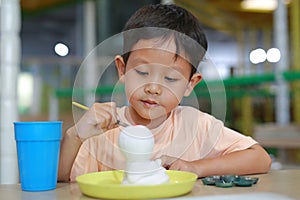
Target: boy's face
155,80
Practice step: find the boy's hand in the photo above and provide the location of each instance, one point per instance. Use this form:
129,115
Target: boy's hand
98,119
172,163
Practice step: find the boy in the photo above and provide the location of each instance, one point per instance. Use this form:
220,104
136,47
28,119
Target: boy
158,68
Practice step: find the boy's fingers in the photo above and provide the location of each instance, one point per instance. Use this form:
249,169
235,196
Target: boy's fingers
107,110
167,160
99,118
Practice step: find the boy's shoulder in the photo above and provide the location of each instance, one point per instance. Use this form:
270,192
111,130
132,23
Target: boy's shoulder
190,116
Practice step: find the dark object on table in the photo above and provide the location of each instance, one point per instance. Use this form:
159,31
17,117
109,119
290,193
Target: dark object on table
226,181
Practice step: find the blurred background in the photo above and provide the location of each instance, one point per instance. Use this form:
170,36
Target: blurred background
254,46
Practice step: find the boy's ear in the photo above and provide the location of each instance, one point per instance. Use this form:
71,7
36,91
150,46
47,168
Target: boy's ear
120,64
196,78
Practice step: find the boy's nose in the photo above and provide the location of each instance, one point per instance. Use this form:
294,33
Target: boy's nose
153,88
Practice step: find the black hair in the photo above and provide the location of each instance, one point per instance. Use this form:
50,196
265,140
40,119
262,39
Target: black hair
167,17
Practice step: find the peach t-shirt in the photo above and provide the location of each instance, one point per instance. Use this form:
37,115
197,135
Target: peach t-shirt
188,134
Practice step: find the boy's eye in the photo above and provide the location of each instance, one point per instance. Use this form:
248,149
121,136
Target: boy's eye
170,79
141,72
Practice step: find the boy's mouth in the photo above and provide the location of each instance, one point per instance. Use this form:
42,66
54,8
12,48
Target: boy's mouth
150,103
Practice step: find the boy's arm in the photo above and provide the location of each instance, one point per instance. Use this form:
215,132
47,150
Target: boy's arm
99,118
249,161
69,147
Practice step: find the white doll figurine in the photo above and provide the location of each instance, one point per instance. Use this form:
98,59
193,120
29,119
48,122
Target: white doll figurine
136,143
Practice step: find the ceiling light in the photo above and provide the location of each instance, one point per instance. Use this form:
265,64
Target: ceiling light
258,56
273,55
61,49
259,5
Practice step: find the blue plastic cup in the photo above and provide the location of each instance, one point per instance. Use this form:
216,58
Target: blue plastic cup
38,146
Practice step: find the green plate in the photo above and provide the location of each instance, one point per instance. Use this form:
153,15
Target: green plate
107,184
